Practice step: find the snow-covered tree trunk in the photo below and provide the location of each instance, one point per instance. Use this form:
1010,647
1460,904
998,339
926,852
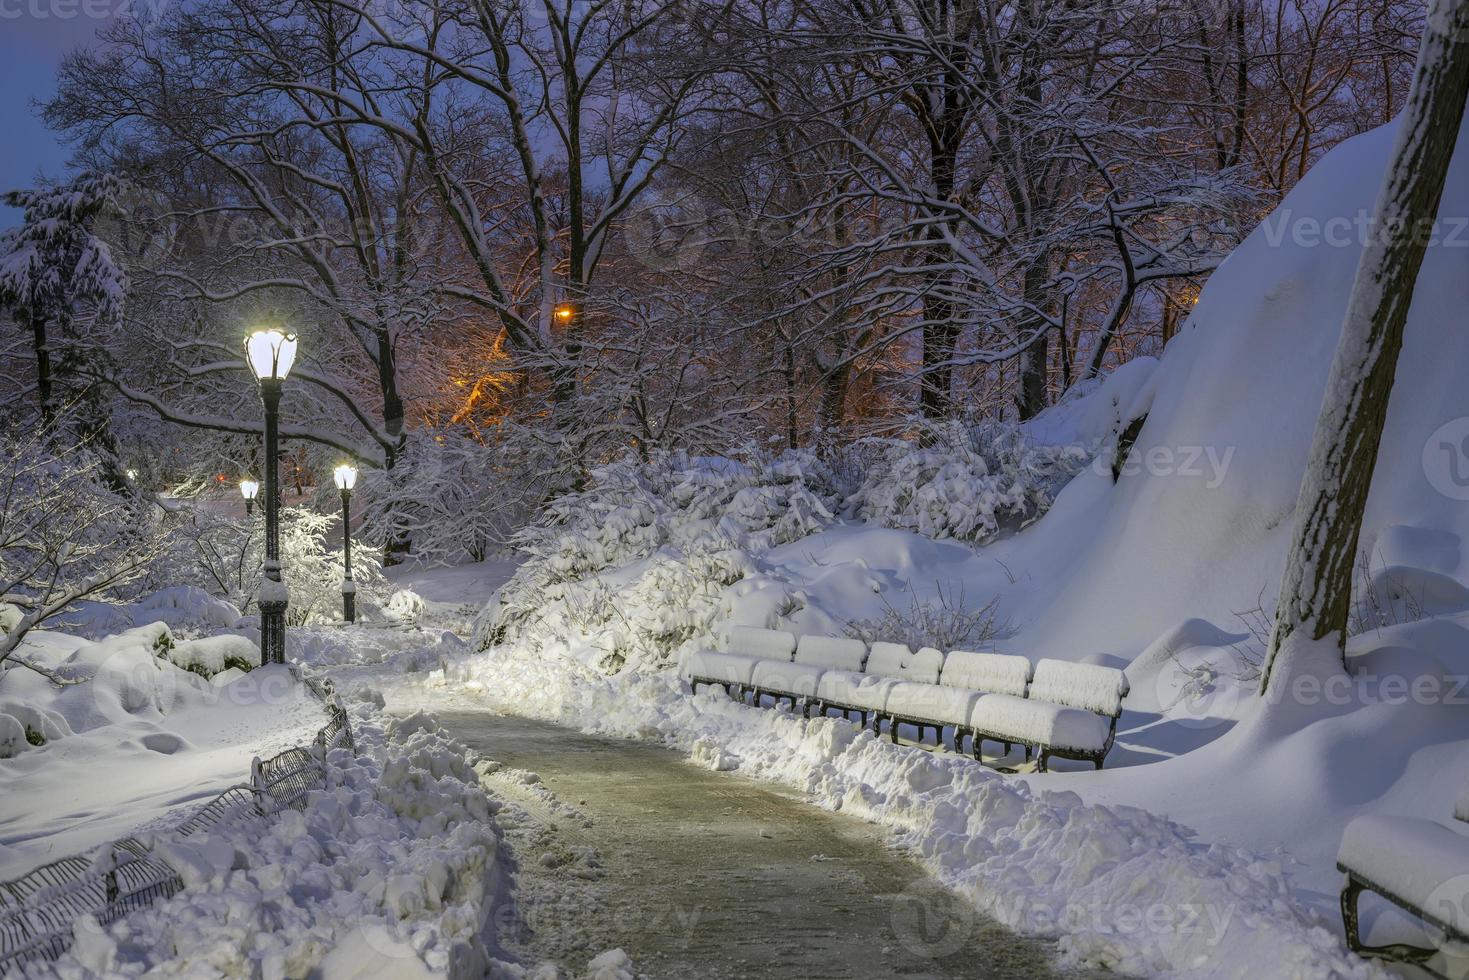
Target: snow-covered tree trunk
1315,593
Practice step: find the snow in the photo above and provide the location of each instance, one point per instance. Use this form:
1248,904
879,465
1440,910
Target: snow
836,652
211,655
888,659
787,678
1418,861
993,673
134,739
929,702
1119,887
1088,686
391,871
1032,722
864,691
757,642
729,668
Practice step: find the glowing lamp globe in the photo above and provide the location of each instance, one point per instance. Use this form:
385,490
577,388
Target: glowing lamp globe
249,488
270,354
346,476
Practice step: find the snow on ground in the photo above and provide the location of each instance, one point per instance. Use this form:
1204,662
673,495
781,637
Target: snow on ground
391,871
1119,887
133,741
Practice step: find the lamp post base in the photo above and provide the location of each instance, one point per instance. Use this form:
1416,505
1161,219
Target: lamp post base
349,606
272,632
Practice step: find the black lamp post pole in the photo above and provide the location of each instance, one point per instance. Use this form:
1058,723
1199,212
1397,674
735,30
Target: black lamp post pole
349,588
273,599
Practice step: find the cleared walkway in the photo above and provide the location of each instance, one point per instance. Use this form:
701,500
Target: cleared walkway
704,874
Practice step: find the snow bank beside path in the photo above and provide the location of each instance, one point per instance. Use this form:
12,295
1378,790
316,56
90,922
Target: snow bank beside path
1119,887
390,871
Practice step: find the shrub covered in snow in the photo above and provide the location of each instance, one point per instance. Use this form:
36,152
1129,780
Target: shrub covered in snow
963,481
639,558
637,562
212,655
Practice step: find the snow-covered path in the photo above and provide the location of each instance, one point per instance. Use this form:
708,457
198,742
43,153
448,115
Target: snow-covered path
622,844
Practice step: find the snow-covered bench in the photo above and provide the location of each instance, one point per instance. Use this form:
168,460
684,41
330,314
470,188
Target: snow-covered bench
963,678
1420,866
1070,711
734,668
888,665
800,679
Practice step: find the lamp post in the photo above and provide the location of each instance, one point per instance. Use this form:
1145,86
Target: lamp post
249,489
270,354
346,478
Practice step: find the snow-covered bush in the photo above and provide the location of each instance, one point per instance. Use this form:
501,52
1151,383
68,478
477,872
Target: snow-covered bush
946,622
213,655
65,536
963,481
639,558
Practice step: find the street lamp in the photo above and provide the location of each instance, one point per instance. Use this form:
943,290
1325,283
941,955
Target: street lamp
346,478
270,354
249,489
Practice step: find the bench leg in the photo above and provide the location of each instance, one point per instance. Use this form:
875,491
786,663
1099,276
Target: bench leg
893,729
1007,748
1350,893
975,747
1041,761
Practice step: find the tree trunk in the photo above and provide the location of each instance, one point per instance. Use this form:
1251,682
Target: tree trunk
834,397
1315,592
43,367
1031,400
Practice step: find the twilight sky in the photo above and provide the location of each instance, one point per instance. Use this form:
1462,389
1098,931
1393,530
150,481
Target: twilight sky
34,34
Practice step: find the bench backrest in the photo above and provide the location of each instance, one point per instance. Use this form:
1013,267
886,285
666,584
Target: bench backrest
832,652
757,642
898,660
1089,686
992,673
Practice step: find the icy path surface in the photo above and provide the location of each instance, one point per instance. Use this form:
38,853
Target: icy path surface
709,874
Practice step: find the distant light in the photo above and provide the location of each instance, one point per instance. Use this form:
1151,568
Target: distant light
248,489
565,311
131,474
270,354
346,476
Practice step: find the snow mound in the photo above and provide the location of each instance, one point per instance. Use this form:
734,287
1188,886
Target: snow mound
1198,524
